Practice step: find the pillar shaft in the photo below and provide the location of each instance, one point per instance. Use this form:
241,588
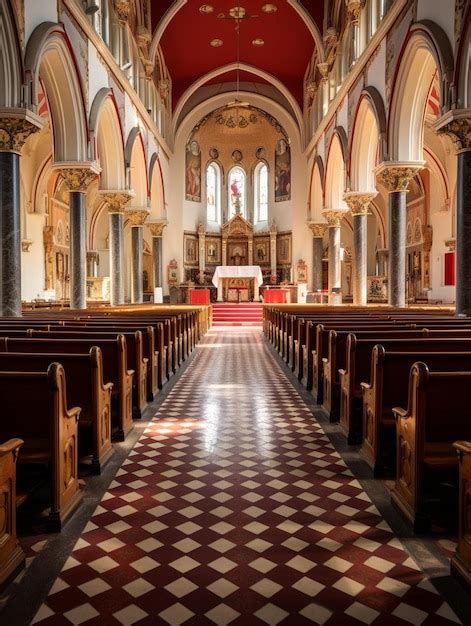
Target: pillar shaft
116,258
397,249
463,235
157,256
10,234
137,242
359,261
78,250
335,279
318,253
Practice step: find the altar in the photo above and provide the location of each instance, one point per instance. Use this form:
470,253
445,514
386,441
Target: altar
238,283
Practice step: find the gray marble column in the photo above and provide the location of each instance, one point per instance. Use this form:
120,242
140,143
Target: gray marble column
457,125
13,135
78,249
78,179
92,263
358,204
333,218
318,230
396,177
137,249
156,229
116,202
137,217
116,243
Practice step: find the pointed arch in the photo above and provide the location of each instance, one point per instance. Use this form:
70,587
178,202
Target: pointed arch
426,51
49,57
107,140
157,188
136,166
316,191
335,176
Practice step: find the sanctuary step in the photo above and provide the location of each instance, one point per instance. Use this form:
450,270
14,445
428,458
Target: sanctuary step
234,314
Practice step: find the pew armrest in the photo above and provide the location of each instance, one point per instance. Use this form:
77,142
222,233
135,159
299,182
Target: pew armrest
107,386
10,446
365,386
399,412
342,372
130,372
463,447
74,412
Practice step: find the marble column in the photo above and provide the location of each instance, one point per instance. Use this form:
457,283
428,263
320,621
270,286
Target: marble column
457,125
334,218
78,178
395,177
116,201
157,229
318,231
201,248
13,134
273,236
358,203
137,217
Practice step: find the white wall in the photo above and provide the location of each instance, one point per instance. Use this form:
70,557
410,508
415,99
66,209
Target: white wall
37,12
32,262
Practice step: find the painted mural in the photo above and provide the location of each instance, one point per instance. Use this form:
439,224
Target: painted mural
193,172
282,171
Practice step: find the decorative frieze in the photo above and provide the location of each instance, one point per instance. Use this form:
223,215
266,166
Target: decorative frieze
396,176
318,229
359,202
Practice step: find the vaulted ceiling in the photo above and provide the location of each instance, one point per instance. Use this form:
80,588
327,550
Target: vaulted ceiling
276,41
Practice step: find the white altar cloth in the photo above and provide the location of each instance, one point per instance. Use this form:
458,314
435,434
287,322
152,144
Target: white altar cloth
238,271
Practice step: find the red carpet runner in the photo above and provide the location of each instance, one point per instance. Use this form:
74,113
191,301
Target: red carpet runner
234,508
234,314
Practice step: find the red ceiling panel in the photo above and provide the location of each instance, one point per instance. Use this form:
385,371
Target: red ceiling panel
188,54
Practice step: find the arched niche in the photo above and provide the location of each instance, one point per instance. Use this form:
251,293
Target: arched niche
105,127
10,59
426,52
49,58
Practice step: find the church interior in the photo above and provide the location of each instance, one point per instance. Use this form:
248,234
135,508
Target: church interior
235,307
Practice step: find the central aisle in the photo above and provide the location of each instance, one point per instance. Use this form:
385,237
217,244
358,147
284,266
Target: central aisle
234,508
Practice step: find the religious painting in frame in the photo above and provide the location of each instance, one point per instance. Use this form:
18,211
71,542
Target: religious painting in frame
283,249
261,251
193,172
190,247
301,271
282,171
213,251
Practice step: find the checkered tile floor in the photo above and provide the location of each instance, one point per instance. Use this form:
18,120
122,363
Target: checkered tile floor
234,508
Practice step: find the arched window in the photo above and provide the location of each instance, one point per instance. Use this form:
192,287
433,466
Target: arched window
237,192
213,193
261,192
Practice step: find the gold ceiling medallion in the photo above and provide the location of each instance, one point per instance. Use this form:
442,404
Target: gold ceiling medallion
206,8
237,13
216,43
258,43
234,118
269,8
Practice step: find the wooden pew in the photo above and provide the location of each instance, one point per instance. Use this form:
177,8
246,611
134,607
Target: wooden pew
49,431
437,415
460,565
114,370
85,388
12,557
389,387
358,370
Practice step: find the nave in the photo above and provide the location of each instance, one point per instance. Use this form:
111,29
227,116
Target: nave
235,508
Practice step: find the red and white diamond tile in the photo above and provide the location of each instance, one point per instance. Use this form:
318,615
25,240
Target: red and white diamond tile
234,508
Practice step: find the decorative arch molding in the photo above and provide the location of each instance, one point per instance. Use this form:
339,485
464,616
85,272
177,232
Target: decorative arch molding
335,176
242,67
156,182
316,197
106,138
368,141
426,50
134,133
462,77
11,69
49,53
142,191
343,138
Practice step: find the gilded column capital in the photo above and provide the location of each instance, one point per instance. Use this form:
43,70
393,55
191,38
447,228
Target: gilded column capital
78,176
318,229
334,216
117,200
457,125
16,125
137,217
396,175
354,8
358,201
157,228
